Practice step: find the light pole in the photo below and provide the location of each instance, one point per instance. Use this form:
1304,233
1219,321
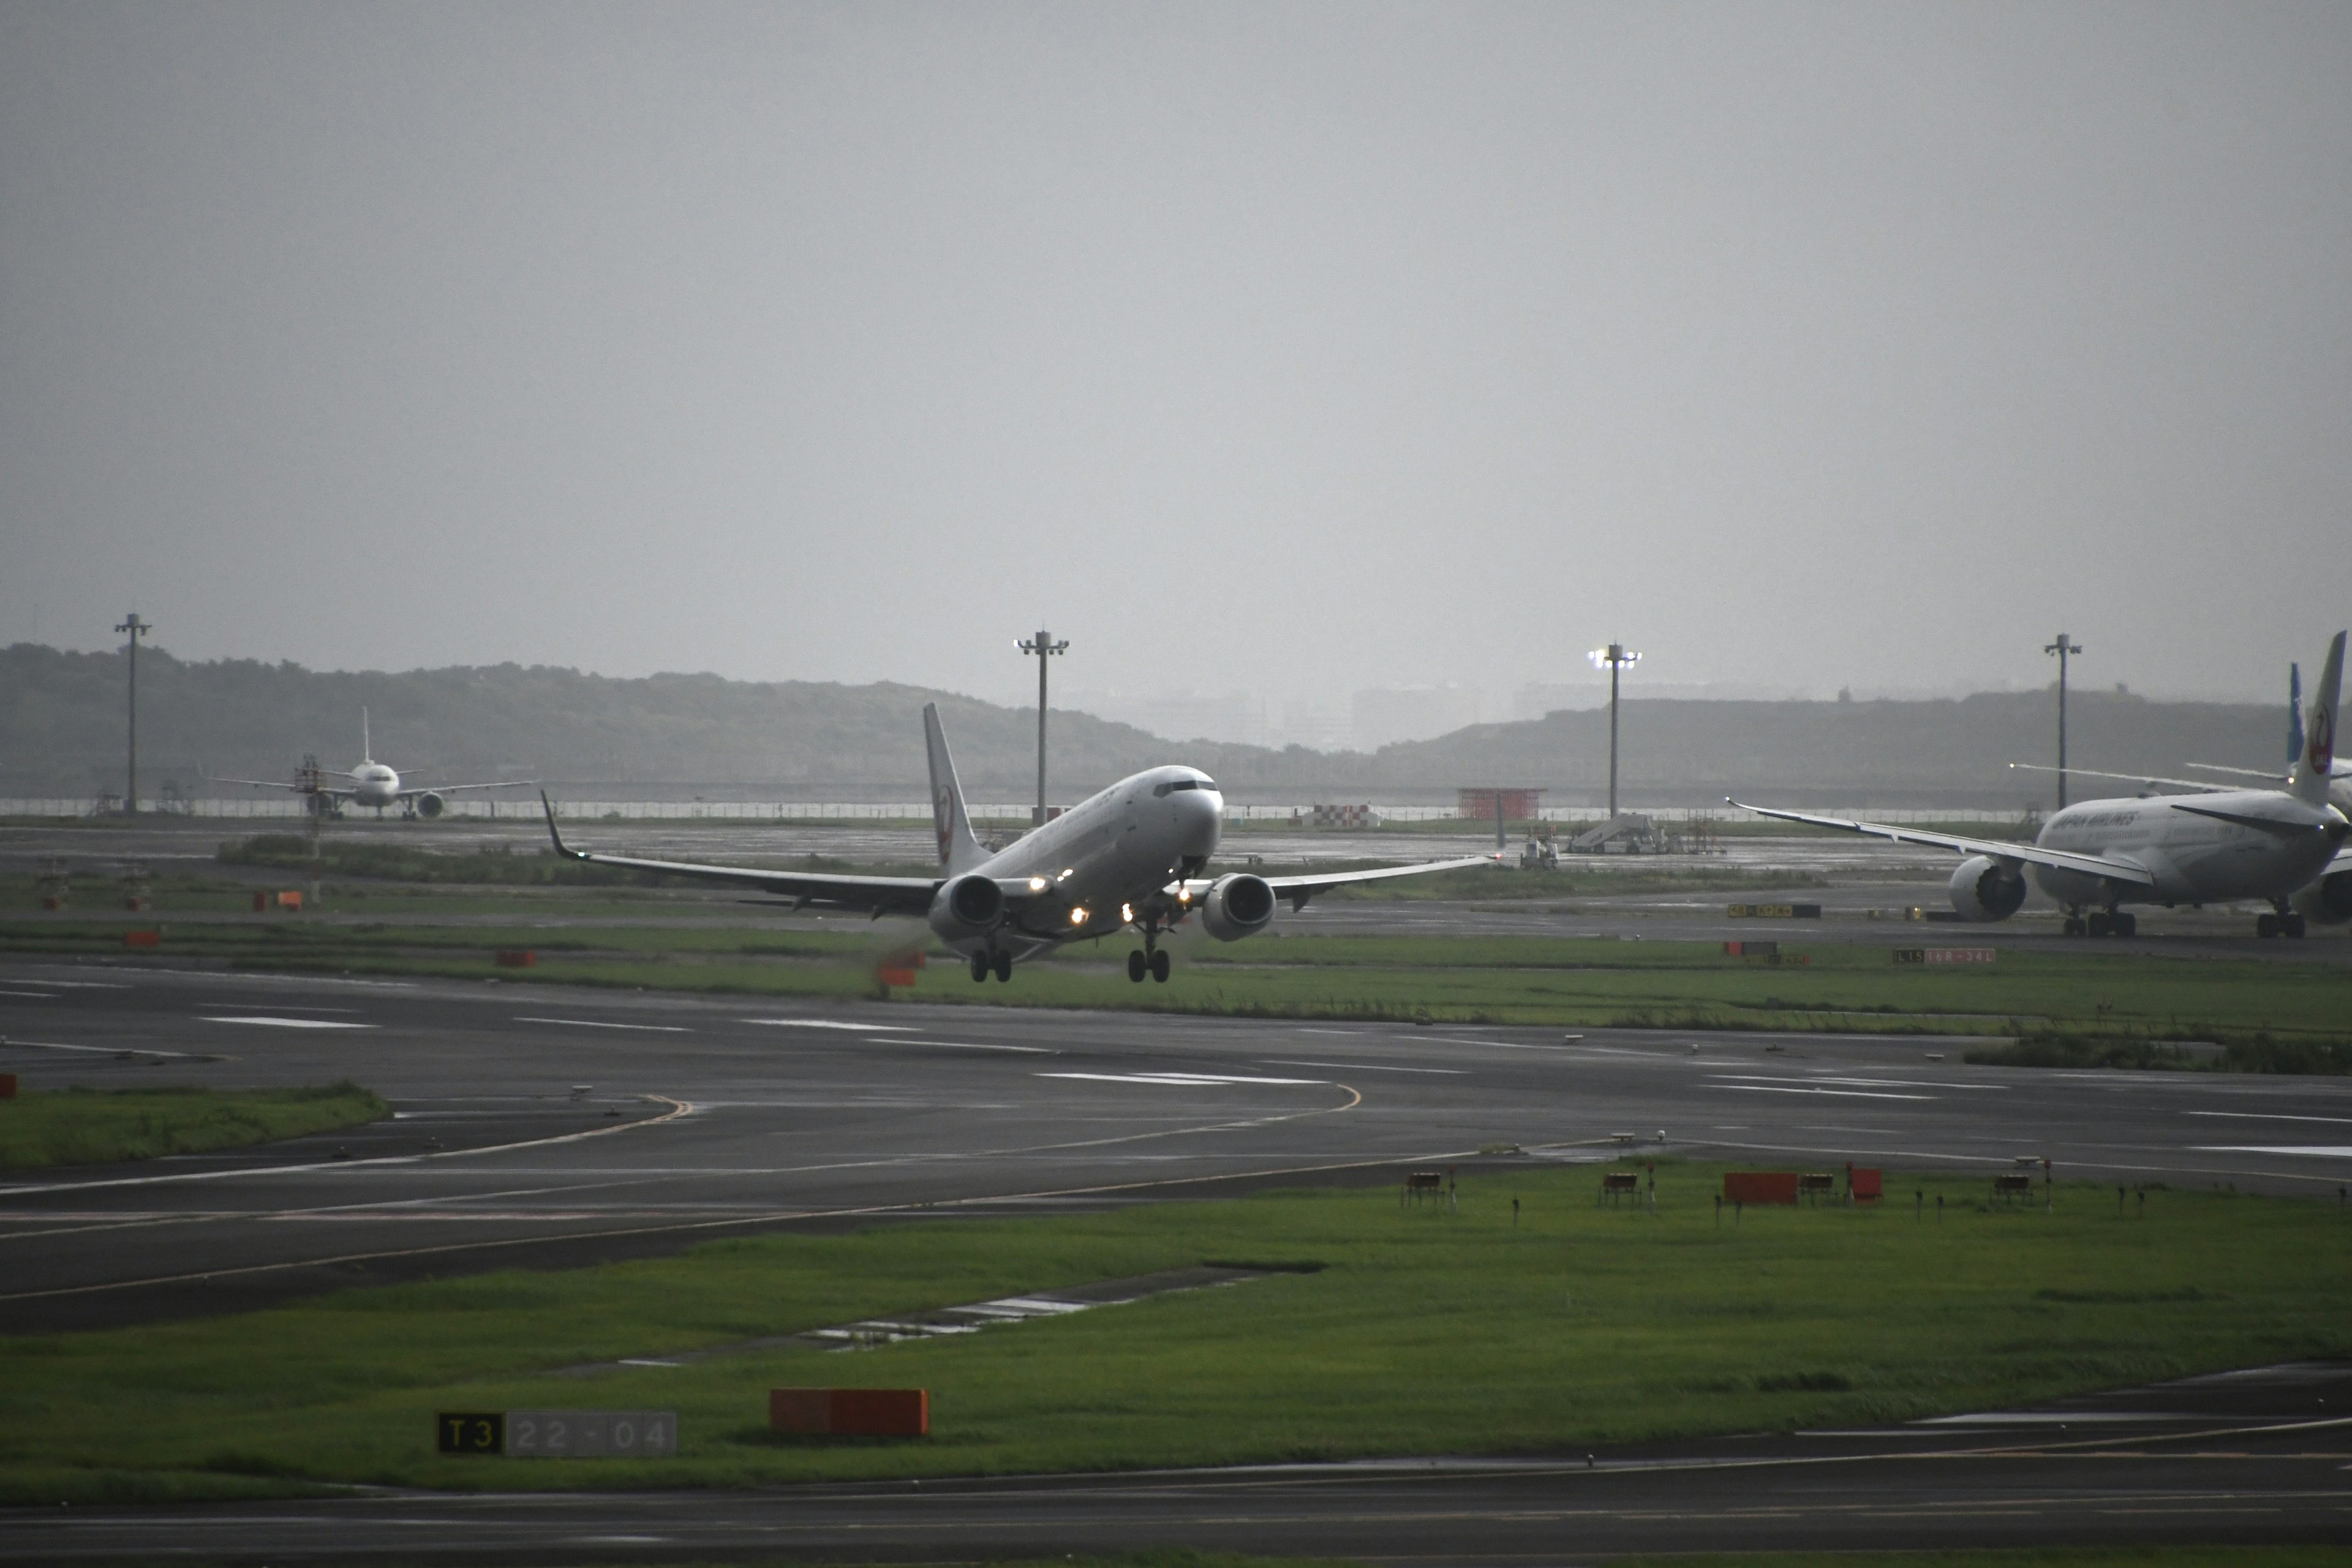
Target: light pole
1045,647
1615,658
137,628
2062,647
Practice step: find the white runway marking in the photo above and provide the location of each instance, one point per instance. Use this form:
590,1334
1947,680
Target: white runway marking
35,995
830,1024
1360,1066
1836,1093
593,1024
971,1046
80,984
2313,1150
2269,1116
1175,1079
293,1023
111,1050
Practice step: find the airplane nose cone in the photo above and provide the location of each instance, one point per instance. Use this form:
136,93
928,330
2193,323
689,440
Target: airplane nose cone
1200,818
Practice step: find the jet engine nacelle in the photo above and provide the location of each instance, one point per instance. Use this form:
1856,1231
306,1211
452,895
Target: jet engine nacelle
1984,888
2329,899
1238,905
429,804
971,905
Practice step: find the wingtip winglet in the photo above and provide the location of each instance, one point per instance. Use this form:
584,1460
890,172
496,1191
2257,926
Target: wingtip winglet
556,833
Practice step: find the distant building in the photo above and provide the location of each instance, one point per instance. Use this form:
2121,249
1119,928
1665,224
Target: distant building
1477,805
1336,817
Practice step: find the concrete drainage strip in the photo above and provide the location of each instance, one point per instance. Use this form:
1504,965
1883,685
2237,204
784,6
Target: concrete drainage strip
943,1321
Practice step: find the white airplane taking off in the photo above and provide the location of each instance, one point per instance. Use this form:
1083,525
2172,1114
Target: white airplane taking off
2098,855
1131,856
373,784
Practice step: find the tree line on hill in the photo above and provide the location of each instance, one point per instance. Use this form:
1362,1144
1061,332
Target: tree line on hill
674,736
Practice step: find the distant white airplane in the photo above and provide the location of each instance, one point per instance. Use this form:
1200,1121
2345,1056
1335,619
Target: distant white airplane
2284,847
1131,856
374,784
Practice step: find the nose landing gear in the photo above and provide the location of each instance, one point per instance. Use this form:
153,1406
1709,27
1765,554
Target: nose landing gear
2102,922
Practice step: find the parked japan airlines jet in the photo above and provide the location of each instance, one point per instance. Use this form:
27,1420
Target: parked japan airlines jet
2328,899
1131,856
2095,857
373,784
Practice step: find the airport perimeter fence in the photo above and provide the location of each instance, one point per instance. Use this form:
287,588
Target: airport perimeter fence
997,815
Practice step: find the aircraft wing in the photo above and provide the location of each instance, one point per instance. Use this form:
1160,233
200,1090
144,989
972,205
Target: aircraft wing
453,789
297,788
2206,786
875,895
1300,889
2113,869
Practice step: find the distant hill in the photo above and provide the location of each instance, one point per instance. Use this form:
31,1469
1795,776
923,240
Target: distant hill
669,736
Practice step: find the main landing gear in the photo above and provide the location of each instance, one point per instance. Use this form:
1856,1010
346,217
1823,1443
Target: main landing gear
1150,960
982,963
2102,922
2285,922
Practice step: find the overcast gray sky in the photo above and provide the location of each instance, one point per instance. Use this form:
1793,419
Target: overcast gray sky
1293,348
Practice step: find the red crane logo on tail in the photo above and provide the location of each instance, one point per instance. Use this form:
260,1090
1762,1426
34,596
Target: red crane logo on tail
2323,741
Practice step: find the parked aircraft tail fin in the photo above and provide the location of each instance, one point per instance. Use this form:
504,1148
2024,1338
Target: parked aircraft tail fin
2294,712
959,850
2316,761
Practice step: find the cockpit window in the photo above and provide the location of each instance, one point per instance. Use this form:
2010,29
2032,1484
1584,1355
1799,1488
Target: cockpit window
1162,789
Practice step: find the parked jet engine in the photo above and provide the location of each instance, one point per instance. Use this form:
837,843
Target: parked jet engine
2329,899
1238,905
1984,888
428,804
971,905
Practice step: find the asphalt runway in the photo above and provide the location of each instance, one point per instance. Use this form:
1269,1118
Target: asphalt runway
547,1126
2242,1459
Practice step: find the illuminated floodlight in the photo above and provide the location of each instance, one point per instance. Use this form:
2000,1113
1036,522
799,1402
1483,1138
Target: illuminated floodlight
1615,659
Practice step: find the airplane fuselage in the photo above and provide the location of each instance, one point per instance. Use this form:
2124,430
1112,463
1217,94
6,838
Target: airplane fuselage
1094,862
374,784
2190,846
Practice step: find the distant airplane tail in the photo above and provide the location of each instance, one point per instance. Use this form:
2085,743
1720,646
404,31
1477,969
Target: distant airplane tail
2315,762
2294,712
959,850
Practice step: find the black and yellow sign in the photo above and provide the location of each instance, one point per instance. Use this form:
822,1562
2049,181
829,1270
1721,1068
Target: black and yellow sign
470,1431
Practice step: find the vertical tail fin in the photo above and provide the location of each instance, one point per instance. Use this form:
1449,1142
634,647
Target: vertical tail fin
2307,781
960,851
2294,713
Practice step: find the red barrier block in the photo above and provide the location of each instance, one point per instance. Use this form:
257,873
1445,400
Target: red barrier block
1759,1186
142,938
851,1412
516,957
1866,1186
8,1086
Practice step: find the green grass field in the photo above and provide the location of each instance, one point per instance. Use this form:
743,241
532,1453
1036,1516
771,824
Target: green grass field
90,1127
1423,1331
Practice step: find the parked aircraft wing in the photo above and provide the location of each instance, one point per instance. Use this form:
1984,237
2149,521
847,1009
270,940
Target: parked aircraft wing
877,895
2206,786
453,789
329,791
2115,870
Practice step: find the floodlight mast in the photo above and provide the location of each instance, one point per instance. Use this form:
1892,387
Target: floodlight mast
1616,657
136,628
1045,647
2062,647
